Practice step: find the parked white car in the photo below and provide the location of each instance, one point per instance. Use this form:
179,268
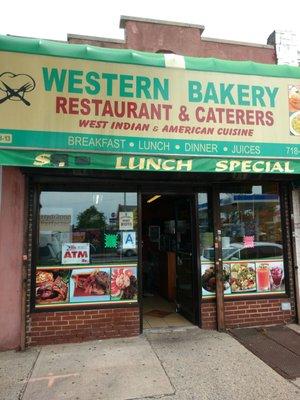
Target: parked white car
237,251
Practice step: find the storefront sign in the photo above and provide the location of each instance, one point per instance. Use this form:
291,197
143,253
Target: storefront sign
125,221
69,100
254,166
55,222
129,240
31,158
75,253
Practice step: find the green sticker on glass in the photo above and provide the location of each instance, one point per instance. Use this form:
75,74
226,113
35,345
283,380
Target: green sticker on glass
111,241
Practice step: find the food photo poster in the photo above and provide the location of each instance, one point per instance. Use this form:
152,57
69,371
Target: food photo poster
245,277
85,285
208,279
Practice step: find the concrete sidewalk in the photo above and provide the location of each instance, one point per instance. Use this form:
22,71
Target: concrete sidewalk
277,346
179,364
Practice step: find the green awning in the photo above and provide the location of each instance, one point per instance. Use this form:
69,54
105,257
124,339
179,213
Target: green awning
127,56
116,162
78,106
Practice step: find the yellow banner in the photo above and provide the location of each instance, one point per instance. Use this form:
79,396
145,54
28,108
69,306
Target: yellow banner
97,106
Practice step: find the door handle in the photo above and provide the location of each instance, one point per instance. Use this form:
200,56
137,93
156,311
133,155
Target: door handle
179,261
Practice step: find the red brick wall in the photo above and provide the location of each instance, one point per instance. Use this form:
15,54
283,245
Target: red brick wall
184,40
208,316
99,43
247,313
187,41
77,326
237,52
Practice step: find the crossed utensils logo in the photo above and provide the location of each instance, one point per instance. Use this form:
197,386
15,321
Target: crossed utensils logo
15,87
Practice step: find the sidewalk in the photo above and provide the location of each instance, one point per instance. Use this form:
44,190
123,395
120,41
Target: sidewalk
277,346
179,364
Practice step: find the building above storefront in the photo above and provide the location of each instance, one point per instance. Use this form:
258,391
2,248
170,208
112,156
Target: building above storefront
160,36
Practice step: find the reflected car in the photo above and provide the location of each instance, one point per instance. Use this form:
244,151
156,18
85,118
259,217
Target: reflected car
237,251
127,252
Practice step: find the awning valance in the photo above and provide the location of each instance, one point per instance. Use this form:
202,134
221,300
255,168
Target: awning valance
116,162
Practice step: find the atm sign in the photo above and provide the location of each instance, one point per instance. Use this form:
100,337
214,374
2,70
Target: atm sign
75,253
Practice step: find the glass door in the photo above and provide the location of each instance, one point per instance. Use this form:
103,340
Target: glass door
186,297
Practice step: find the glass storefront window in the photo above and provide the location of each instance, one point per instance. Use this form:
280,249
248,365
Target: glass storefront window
88,247
252,249
252,239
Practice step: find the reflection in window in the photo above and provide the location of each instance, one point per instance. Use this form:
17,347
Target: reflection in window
205,227
105,223
206,236
251,223
252,239
252,251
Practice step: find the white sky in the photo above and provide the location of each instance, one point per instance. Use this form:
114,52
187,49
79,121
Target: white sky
250,21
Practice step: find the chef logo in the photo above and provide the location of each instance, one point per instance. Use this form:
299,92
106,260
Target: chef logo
15,87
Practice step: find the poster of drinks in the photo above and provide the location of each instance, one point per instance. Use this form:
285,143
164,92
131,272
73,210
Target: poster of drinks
270,276
249,277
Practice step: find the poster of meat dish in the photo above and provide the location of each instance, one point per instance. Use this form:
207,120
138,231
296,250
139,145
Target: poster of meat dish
52,286
90,285
124,283
208,279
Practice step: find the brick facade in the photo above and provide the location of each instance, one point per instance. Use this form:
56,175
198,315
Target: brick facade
80,325
188,40
157,36
243,313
